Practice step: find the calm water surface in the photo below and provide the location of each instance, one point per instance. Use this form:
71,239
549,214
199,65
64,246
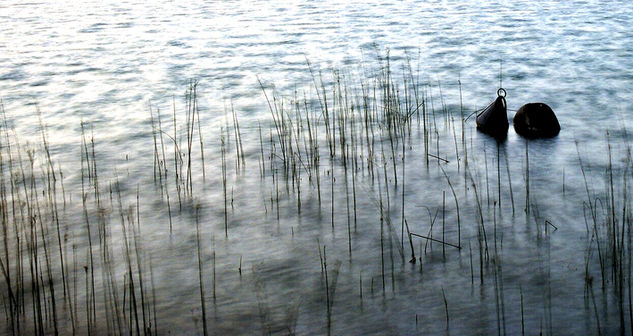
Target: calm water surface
109,63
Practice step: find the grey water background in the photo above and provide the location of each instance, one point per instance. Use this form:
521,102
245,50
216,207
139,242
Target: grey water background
105,63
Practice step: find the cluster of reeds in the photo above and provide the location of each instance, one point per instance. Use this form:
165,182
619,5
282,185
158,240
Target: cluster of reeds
607,214
358,130
63,278
344,142
98,277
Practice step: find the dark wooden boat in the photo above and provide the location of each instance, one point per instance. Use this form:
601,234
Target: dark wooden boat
493,120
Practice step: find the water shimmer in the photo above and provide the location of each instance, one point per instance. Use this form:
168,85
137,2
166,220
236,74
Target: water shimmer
87,83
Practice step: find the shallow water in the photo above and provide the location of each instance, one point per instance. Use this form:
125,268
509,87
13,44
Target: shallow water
107,63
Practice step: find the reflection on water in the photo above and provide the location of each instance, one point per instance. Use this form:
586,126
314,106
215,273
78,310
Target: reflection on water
299,231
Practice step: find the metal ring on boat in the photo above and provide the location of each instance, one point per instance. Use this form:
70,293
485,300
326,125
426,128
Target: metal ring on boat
500,91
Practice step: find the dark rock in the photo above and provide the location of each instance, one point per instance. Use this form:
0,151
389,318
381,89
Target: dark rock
536,120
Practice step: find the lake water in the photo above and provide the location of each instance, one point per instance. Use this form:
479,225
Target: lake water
108,64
